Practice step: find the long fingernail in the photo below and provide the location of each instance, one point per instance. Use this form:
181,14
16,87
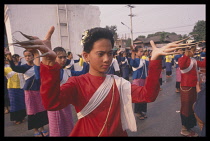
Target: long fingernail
44,54
27,36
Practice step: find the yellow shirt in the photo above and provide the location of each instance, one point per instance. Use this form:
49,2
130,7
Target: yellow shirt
81,61
169,58
145,58
14,81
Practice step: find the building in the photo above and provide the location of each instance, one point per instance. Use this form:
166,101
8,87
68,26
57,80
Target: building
70,21
120,43
145,42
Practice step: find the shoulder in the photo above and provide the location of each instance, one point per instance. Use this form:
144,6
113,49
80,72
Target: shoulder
26,66
7,69
117,78
80,77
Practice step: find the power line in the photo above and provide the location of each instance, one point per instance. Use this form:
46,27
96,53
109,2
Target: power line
123,32
161,29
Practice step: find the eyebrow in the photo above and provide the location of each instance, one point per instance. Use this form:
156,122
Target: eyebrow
62,56
104,51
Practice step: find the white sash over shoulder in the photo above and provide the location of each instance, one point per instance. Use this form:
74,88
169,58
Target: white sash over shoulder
127,115
20,76
29,73
70,64
124,87
142,62
97,97
10,74
66,75
192,62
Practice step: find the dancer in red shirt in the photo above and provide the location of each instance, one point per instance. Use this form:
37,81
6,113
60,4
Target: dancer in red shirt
189,78
103,102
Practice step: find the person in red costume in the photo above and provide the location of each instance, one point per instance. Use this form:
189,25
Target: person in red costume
103,102
188,67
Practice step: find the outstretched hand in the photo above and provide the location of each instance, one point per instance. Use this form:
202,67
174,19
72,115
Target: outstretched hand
44,46
168,49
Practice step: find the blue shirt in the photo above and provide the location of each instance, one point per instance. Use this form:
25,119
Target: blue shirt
76,73
139,73
68,61
176,58
33,83
203,54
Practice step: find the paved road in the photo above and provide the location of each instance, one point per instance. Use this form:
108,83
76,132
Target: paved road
163,116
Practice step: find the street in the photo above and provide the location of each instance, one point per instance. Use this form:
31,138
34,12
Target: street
163,116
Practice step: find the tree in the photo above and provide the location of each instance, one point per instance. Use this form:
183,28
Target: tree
128,42
141,36
163,36
200,30
113,28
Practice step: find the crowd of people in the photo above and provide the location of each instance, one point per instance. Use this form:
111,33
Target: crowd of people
102,92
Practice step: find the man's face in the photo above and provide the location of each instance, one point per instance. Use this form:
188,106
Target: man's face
70,56
28,56
61,58
140,52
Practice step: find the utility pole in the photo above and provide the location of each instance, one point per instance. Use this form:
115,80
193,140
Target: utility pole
131,15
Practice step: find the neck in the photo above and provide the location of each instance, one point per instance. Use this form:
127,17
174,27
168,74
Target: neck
15,63
30,63
97,73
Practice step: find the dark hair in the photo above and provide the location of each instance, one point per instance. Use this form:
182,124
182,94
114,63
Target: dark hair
94,35
203,48
137,48
59,49
68,53
15,55
27,51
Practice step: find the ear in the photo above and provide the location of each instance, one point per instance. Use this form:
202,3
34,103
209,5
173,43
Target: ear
86,56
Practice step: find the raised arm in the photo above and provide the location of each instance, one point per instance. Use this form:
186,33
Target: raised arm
149,92
53,96
19,68
44,46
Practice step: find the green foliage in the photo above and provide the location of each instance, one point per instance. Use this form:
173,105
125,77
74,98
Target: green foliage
141,36
163,34
200,30
128,42
113,28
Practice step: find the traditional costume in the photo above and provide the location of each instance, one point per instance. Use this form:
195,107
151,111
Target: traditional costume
103,109
61,121
114,67
140,70
70,63
163,62
189,79
6,97
200,109
168,64
16,94
125,67
37,115
203,55
178,72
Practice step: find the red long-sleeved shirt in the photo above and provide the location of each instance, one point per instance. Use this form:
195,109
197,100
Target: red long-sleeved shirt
190,78
79,89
